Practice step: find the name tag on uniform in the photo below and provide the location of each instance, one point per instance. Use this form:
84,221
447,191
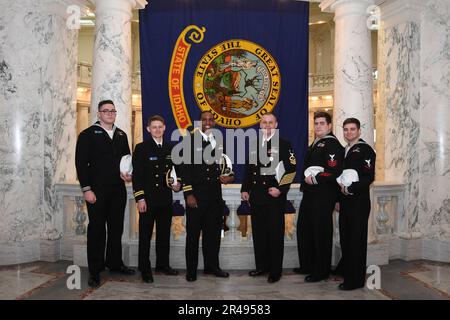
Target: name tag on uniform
98,131
153,158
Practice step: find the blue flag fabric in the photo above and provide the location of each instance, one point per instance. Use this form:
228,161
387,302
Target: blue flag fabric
238,58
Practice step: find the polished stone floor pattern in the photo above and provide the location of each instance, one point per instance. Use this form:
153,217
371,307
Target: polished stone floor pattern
48,281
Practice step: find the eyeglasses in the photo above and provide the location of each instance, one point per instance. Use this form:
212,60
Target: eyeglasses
108,111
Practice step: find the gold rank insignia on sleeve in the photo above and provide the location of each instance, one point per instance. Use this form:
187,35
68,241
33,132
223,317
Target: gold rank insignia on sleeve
292,159
138,193
287,178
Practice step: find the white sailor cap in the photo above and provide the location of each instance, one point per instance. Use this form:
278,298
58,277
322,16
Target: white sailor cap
313,171
347,177
126,165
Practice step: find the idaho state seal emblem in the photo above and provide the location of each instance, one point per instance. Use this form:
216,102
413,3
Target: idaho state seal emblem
239,81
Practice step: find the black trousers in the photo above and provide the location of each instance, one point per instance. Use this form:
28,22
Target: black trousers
353,225
268,235
107,210
162,215
315,232
207,219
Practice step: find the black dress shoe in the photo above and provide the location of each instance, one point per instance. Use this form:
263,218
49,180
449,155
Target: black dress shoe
311,278
257,273
94,280
167,271
273,279
301,271
219,273
147,277
124,270
191,277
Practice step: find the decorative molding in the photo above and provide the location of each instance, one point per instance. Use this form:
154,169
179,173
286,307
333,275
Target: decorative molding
330,5
396,12
125,6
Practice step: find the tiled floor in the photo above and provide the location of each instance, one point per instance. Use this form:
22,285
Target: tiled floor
399,280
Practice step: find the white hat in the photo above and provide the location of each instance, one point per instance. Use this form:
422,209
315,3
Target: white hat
347,177
226,165
313,171
126,165
171,178
279,171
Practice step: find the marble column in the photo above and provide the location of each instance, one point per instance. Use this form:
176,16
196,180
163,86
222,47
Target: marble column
399,104
138,130
434,142
38,65
111,71
353,85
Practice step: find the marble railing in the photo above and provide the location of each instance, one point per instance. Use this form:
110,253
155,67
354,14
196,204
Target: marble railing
236,246
84,74
325,82
316,83
388,206
84,77
75,217
387,217
321,82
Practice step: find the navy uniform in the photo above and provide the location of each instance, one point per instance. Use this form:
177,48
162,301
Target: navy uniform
202,180
315,220
97,160
267,212
354,214
152,162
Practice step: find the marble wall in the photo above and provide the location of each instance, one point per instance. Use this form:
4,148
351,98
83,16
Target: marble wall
414,111
37,117
401,63
434,142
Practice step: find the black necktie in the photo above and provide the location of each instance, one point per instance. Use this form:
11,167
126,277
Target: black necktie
159,146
